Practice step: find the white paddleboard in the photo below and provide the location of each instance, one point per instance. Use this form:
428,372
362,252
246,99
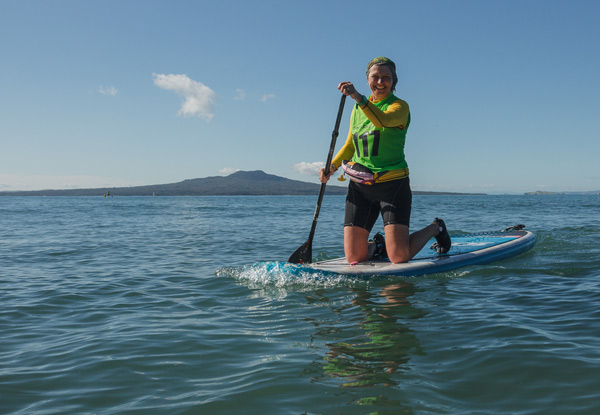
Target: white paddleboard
471,249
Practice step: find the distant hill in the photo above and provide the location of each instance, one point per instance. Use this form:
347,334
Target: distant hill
255,183
239,183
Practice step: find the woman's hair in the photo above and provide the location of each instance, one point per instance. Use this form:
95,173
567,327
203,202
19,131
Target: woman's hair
383,61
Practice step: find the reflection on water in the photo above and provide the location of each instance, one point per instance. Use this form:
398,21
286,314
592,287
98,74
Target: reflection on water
370,341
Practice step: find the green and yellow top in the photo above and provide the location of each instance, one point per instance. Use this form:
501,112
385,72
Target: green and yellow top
376,138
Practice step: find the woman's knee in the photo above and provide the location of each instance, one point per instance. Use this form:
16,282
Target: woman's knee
397,240
399,256
356,244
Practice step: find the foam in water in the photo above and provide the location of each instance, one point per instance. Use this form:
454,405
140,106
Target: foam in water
285,275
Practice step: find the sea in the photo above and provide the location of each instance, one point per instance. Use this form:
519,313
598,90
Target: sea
171,305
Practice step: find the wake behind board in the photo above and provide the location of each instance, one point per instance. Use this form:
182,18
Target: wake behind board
471,249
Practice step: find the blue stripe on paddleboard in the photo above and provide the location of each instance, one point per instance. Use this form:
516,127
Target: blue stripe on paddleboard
465,243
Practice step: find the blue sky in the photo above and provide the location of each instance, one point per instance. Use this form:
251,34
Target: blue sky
503,95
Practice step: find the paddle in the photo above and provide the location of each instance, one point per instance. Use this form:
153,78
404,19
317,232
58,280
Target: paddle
303,255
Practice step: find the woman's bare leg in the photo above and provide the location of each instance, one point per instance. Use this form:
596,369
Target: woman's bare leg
402,246
356,241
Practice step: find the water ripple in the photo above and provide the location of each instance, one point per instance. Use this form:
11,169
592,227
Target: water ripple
148,305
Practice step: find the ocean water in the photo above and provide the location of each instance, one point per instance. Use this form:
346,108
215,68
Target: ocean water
164,305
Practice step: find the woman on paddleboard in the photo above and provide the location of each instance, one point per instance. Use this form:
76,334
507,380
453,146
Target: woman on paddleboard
373,158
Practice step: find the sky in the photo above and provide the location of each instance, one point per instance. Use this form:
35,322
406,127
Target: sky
503,95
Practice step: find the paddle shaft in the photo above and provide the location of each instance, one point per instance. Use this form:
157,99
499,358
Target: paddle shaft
334,136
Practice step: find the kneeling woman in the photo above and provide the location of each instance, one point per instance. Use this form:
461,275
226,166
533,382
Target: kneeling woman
373,157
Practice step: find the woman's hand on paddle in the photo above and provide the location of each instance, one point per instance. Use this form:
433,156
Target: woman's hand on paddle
322,177
347,88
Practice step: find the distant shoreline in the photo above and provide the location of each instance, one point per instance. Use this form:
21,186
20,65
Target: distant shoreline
546,193
241,183
54,193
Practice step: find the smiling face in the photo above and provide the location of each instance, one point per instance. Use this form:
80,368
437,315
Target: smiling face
380,81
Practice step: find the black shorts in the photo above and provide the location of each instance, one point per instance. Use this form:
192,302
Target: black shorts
392,199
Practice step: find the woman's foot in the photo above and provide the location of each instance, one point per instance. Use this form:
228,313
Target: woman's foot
443,238
380,251
377,247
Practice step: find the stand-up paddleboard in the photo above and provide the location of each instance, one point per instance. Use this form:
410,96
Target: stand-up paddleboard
471,249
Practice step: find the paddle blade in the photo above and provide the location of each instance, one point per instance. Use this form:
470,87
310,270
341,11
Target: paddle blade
303,255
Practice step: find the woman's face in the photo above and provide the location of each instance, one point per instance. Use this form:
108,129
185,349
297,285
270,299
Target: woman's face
380,81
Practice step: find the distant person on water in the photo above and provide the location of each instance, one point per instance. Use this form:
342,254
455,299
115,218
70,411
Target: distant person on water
373,158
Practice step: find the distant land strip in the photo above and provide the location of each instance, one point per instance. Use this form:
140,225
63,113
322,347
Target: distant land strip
241,183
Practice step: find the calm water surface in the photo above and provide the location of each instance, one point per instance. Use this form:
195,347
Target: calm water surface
131,305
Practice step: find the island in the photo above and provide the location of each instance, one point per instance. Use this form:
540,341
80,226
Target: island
241,183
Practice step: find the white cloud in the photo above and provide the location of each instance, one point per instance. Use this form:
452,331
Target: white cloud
112,91
198,98
267,97
309,168
241,95
228,170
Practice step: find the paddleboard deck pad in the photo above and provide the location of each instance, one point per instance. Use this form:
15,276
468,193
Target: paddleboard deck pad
467,249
